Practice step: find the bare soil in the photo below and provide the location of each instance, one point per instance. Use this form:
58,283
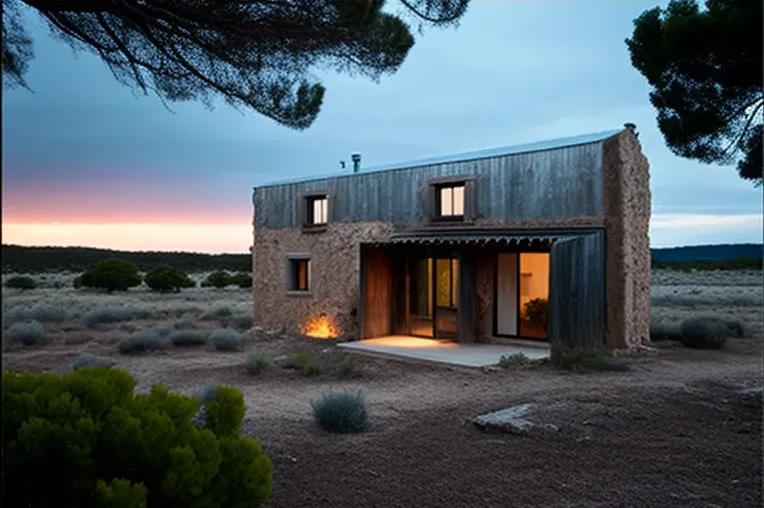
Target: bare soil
674,431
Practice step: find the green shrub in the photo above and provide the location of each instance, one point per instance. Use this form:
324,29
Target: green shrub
242,279
88,360
661,330
256,364
166,279
345,368
536,311
509,361
20,282
588,359
242,321
87,440
189,337
108,315
219,280
303,362
111,275
77,282
28,333
341,412
703,333
227,339
140,342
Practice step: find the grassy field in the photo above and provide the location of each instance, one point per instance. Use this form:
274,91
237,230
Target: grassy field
696,443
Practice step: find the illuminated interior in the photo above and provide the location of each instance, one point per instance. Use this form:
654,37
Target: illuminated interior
320,327
534,285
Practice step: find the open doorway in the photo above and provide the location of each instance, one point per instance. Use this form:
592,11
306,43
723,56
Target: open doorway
522,295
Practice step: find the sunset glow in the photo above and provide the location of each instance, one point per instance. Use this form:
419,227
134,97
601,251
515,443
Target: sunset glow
207,238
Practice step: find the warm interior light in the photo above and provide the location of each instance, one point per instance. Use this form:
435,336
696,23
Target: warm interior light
320,327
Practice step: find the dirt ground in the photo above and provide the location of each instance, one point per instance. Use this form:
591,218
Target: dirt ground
678,430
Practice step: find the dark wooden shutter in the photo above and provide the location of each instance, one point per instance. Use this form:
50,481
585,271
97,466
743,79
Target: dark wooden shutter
577,293
470,200
301,217
432,201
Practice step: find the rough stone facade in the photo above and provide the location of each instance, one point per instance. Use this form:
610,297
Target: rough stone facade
627,221
335,256
334,283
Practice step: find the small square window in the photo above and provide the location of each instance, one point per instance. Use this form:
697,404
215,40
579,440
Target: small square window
316,210
298,275
450,200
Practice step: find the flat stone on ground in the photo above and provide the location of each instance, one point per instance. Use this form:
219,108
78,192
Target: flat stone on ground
510,420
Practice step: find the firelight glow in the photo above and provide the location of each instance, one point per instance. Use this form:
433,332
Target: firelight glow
404,341
320,327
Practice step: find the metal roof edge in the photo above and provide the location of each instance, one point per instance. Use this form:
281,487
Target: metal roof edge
537,146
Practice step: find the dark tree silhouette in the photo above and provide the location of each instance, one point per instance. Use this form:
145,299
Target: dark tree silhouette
705,68
255,54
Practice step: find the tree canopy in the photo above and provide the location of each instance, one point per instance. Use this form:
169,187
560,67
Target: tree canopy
705,69
257,54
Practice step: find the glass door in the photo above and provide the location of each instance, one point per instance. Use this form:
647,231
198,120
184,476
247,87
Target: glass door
421,298
446,291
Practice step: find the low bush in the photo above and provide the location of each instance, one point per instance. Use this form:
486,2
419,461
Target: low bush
88,360
256,364
509,361
304,363
77,282
219,280
140,342
107,315
41,313
663,330
89,441
166,279
704,333
28,333
345,368
242,279
341,412
111,275
588,359
189,337
20,282
227,339
242,321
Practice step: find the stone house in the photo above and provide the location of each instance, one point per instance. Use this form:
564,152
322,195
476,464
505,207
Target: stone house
546,241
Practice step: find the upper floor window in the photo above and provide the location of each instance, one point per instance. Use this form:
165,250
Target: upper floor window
317,210
450,200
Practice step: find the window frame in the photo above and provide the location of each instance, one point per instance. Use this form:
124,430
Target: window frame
293,262
435,186
305,207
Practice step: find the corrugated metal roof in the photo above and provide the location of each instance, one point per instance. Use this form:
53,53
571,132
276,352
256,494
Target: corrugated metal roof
538,146
507,240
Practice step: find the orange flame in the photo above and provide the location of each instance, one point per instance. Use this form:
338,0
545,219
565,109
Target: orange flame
320,327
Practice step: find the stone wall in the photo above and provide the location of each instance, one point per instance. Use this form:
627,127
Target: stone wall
627,221
334,280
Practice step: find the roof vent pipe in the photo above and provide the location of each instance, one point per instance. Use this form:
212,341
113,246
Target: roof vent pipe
356,158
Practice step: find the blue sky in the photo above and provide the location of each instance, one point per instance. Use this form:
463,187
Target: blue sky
513,72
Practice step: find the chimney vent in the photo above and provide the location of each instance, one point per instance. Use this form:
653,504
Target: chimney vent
632,127
356,158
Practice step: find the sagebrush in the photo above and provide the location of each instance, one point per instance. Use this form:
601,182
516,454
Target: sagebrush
341,412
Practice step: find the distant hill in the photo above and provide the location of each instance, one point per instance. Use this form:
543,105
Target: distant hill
720,252
15,258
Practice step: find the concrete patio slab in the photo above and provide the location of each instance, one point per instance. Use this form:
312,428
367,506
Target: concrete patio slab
442,351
